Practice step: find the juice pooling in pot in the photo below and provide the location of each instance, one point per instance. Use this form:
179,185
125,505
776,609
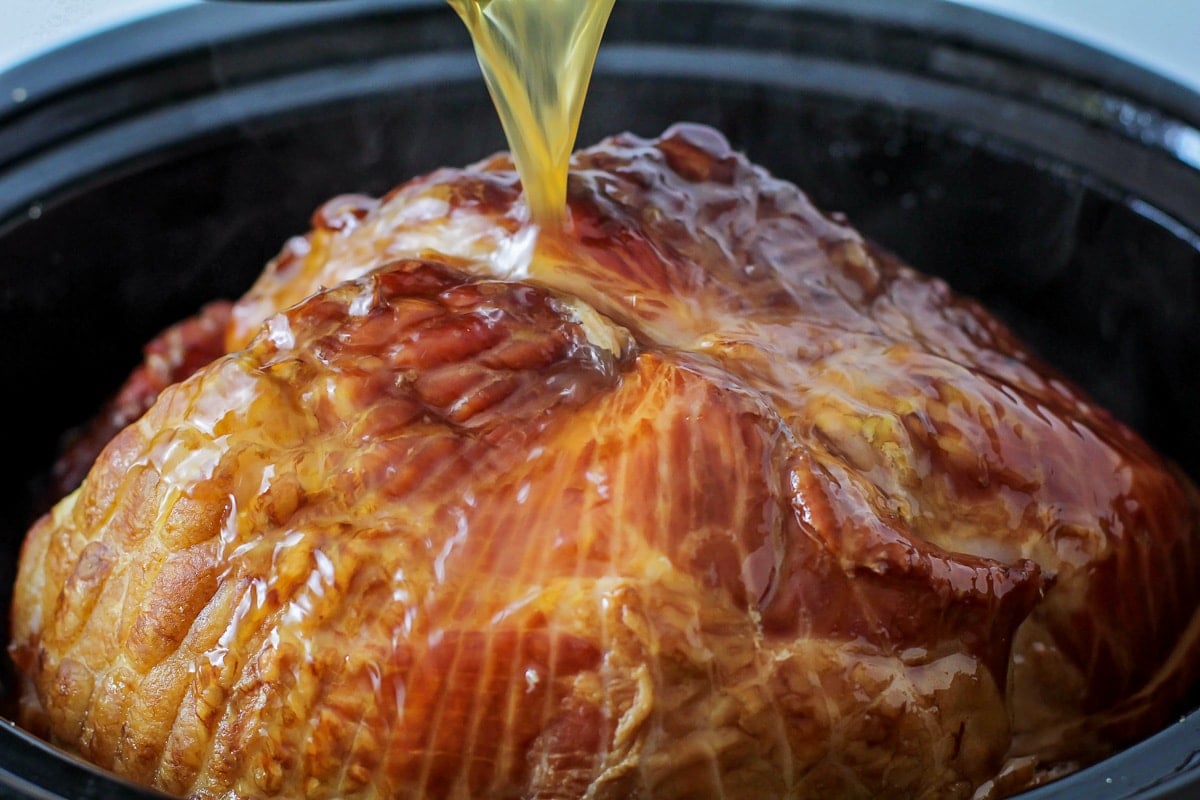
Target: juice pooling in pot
537,58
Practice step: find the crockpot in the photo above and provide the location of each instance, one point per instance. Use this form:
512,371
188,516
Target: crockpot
157,165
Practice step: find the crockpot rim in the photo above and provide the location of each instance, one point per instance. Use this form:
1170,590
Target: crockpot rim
92,56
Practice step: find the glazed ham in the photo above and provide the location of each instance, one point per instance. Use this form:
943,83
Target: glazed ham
703,496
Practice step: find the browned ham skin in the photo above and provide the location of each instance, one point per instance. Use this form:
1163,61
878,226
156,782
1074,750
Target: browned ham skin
702,496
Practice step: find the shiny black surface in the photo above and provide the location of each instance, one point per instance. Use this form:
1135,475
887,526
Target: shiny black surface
160,164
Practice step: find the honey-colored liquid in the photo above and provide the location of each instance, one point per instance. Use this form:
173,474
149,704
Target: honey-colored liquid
537,58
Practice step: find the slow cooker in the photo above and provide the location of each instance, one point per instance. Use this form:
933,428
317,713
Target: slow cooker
157,165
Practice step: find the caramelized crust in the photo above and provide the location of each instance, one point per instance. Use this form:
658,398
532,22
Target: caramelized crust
704,496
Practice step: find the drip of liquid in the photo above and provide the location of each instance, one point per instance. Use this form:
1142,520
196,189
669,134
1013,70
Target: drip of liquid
537,58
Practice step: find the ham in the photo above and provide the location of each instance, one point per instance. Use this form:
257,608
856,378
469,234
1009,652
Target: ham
704,495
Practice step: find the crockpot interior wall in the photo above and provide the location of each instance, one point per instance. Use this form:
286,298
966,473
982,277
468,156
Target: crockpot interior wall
856,105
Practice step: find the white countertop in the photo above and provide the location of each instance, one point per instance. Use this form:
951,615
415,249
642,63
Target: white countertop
1163,35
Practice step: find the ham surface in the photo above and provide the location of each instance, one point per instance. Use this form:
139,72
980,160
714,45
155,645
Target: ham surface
703,496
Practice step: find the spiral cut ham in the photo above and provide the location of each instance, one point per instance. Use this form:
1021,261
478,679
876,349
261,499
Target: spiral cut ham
703,496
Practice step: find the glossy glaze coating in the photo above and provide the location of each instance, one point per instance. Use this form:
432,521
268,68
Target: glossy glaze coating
701,496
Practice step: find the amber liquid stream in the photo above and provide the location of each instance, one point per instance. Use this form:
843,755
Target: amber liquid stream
537,58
